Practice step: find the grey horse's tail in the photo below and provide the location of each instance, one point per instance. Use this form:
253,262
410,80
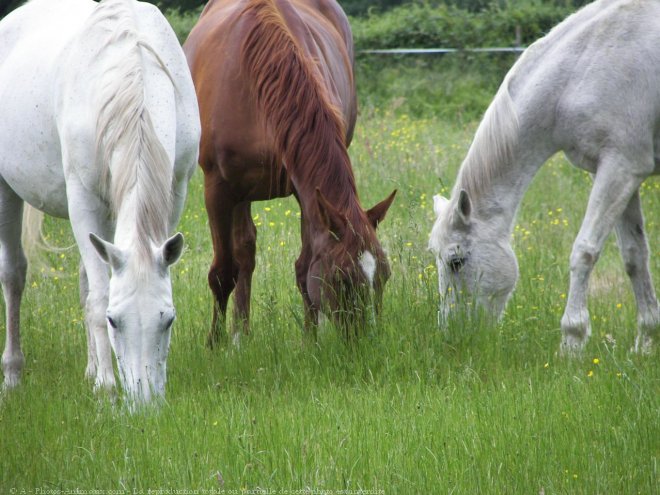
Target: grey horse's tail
33,239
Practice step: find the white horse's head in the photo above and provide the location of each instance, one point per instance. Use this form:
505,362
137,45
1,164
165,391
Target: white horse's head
476,265
140,314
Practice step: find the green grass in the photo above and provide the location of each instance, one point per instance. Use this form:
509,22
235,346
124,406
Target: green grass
407,409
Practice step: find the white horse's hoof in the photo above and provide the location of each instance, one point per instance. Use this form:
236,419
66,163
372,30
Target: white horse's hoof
90,372
12,368
105,385
576,331
643,344
105,391
11,382
572,345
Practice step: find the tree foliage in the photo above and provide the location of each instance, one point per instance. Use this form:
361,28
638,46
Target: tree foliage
6,6
180,5
352,7
422,25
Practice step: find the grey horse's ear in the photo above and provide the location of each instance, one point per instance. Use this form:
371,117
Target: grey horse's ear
171,250
108,252
463,209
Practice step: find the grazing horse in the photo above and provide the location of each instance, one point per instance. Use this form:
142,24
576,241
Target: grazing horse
99,125
274,82
591,88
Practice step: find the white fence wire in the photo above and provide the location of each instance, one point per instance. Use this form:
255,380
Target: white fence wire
406,51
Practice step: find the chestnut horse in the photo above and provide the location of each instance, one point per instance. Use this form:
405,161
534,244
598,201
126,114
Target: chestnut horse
274,81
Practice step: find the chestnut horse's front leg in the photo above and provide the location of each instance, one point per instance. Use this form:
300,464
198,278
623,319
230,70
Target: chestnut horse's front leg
244,244
302,268
223,270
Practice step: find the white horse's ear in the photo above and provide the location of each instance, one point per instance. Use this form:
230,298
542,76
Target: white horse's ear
108,252
171,250
439,203
463,210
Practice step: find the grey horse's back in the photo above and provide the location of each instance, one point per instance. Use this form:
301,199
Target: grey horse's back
596,80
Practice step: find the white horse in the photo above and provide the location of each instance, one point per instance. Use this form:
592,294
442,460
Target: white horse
591,88
99,125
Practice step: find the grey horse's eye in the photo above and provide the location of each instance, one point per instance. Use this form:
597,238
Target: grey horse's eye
455,263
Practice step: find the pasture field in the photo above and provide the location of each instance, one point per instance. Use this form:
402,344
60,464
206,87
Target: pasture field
409,408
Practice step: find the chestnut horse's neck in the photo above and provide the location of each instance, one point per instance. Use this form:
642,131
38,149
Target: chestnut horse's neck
309,130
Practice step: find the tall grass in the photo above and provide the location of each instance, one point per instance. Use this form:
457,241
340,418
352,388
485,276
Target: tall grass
409,408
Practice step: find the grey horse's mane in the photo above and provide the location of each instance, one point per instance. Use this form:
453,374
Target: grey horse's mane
493,147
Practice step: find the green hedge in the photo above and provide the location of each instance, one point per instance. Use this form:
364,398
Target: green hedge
455,86
421,25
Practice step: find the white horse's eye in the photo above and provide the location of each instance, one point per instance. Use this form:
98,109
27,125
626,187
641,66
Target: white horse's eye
456,263
169,323
112,323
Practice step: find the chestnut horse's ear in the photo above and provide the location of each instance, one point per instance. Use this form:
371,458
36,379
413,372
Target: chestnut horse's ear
377,213
333,220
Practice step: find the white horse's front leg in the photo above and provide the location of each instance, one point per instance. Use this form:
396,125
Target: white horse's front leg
611,193
97,332
13,267
634,249
92,358
575,324
648,327
83,221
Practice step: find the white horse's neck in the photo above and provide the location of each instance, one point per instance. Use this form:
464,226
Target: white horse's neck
519,131
508,149
129,234
498,203
138,166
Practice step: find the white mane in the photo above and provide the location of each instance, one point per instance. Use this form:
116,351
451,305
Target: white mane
494,145
128,149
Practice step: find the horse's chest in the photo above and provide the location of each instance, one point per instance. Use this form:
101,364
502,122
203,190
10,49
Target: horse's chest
253,177
266,181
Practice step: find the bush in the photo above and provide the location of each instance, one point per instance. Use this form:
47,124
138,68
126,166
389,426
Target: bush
422,25
183,22
453,86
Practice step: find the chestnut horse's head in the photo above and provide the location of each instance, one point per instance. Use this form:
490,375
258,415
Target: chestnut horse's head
349,268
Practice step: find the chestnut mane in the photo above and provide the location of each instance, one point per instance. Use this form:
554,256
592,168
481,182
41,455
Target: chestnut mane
308,128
